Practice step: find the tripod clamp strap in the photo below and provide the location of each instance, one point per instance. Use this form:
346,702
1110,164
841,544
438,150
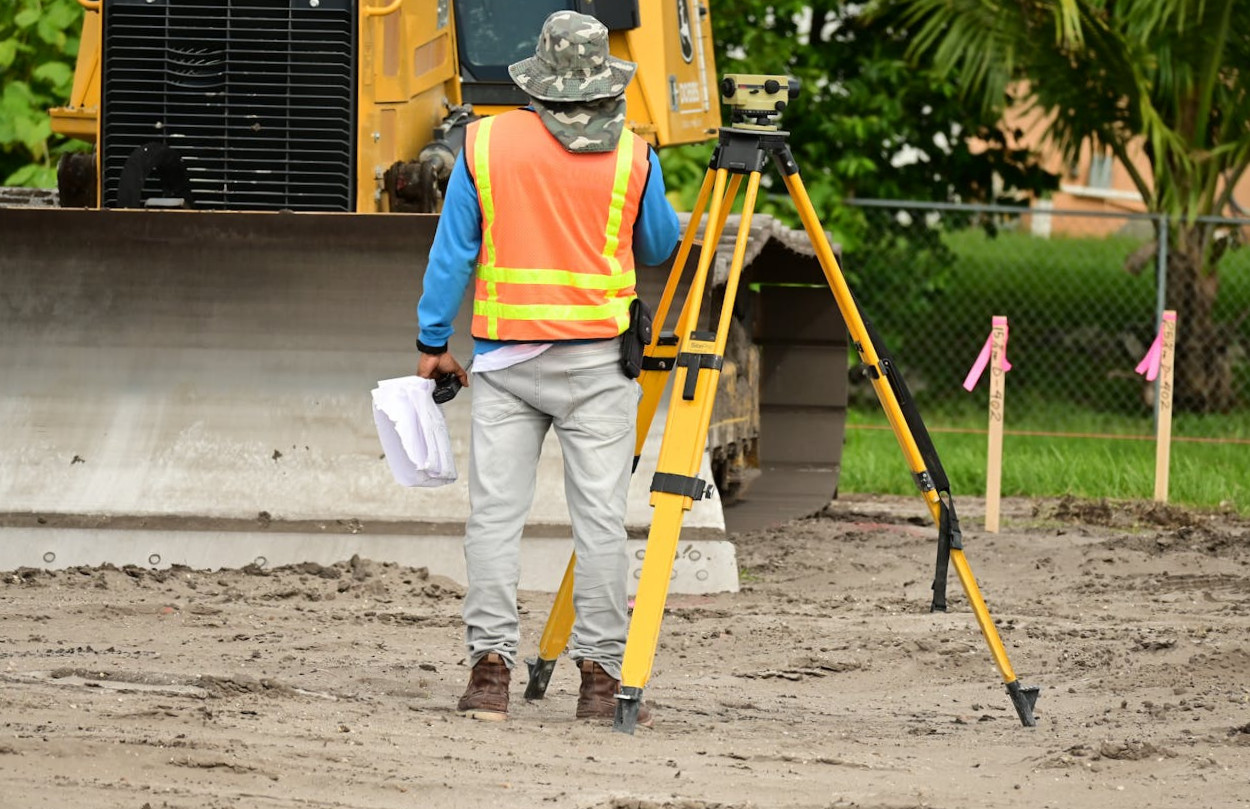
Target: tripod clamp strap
668,483
662,361
950,537
695,361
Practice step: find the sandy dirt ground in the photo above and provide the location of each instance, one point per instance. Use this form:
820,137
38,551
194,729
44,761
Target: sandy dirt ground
826,682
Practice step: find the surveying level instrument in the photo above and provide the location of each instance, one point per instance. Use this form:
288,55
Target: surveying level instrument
754,101
694,356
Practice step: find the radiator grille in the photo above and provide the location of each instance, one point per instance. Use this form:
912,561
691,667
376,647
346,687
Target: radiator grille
256,97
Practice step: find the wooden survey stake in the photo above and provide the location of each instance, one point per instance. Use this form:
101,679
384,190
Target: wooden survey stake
994,459
1163,429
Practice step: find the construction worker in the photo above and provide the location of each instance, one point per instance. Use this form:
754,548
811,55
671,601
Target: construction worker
550,207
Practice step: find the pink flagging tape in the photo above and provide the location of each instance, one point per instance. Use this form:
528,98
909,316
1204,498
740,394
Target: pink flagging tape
983,359
1149,364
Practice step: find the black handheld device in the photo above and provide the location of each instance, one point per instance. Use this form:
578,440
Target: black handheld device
446,388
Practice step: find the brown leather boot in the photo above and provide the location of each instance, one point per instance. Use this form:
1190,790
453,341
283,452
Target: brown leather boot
597,697
487,694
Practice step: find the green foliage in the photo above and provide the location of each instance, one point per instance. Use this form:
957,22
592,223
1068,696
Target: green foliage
867,123
900,270
38,44
1171,72
1169,75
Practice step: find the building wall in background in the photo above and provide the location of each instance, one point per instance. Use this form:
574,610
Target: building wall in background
1095,182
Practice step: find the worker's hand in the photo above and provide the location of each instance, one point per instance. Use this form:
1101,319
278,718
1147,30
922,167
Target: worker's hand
432,366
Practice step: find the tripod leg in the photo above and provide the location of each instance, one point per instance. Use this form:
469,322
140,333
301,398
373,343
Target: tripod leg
683,253
660,356
659,359
555,636
1023,698
676,487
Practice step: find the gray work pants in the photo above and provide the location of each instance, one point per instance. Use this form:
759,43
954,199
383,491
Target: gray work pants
581,391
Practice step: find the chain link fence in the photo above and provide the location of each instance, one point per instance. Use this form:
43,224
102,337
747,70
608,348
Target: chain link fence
1083,294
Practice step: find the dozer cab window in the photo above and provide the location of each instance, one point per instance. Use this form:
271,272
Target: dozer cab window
493,34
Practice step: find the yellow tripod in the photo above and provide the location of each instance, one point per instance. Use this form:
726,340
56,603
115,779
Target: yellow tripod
695,358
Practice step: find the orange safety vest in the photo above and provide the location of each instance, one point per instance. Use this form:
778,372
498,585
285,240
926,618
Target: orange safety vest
557,258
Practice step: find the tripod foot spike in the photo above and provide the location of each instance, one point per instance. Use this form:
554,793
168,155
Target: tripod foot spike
540,676
1024,698
628,701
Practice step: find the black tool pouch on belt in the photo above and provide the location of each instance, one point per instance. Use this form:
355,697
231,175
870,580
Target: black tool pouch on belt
636,338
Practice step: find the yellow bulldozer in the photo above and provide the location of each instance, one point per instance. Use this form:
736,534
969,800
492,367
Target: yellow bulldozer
188,339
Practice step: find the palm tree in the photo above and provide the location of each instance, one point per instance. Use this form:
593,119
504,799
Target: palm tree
1170,75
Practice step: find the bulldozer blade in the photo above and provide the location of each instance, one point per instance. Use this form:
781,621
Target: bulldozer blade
208,365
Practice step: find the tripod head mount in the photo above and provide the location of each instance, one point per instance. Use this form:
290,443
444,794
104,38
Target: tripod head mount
755,101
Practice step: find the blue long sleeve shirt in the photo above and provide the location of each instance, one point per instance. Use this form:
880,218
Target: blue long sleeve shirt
458,241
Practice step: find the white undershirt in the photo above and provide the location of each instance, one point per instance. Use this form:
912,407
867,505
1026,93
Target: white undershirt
506,356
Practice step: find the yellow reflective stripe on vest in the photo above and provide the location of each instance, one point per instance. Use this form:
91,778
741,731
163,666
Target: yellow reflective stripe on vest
620,186
481,164
567,278
537,311
616,212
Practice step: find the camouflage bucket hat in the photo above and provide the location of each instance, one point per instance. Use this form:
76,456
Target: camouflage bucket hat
572,63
